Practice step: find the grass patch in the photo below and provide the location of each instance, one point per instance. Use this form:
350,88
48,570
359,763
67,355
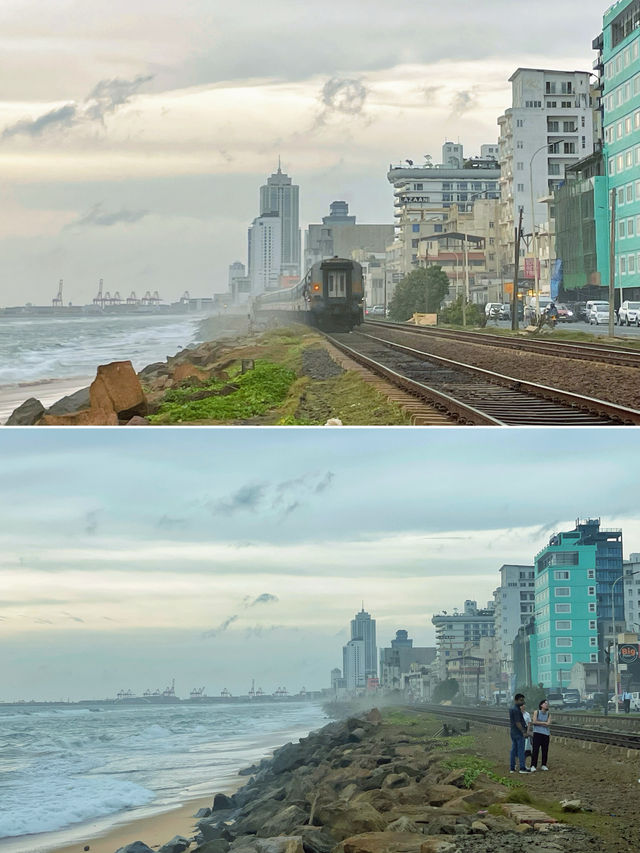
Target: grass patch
257,391
473,766
347,397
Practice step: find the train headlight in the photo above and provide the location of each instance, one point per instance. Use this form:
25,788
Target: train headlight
316,287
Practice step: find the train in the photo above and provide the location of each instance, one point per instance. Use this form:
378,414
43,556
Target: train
329,297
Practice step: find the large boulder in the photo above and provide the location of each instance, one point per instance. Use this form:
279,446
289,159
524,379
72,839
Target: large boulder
315,839
283,822
221,802
71,403
382,842
343,820
178,844
217,846
86,417
280,844
135,847
118,388
27,414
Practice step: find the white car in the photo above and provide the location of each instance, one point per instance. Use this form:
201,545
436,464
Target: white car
628,313
492,309
599,314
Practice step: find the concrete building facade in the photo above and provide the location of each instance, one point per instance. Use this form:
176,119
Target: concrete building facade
363,628
353,664
340,234
514,602
265,247
399,659
280,195
548,126
457,633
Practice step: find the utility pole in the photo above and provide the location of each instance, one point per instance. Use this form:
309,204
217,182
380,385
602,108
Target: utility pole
612,264
516,273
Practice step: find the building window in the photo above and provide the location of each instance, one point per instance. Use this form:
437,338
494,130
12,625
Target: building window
562,591
631,263
593,658
564,641
563,608
591,590
564,658
629,186
520,167
622,231
593,641
592,624
520,188
592,608
561,576
415,229
563,624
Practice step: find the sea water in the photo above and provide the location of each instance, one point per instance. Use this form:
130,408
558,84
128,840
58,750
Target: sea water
33,349
61,767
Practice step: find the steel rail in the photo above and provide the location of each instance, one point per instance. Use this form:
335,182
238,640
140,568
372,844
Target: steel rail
445,402
621,739
584,351
574,402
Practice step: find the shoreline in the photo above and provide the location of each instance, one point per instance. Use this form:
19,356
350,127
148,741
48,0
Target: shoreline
48,391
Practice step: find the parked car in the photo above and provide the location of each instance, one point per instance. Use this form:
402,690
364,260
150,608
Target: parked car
591,303
504,312
599,313
565,314
628,314
375,311
555,699
492,309
579,310
571,696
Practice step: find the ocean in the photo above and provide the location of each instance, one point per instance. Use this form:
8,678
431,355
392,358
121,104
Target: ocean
64,352
64,767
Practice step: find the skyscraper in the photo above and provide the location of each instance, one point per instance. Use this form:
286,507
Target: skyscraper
363,627
279,195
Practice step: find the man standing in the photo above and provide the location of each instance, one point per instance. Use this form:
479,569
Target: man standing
626,701
518,732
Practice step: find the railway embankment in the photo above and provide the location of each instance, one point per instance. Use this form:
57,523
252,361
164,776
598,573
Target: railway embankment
286,376
388,783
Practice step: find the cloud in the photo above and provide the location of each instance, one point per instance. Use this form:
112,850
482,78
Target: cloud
105,98
221,628
245,498
166,522
96,216
61,117
73,618
265,598
341,96
463,102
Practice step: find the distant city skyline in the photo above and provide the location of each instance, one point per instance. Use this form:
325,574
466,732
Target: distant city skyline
240,554
133,139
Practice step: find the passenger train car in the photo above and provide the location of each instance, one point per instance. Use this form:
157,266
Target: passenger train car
329,297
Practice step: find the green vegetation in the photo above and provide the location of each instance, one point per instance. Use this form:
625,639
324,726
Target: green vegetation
473,766
533,694
452,314
421,291
250,394
445,690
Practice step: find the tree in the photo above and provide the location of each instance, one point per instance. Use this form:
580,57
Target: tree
422,292
445,690
533,694
453,314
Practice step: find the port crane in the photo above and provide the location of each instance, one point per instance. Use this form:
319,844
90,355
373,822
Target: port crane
57,300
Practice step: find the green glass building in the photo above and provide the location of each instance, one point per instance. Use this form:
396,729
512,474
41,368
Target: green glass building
574,578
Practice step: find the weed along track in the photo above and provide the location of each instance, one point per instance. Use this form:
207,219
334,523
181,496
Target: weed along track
475,395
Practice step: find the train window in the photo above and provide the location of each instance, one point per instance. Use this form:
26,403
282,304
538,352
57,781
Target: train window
337,284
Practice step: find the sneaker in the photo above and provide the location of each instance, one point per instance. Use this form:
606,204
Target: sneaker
524,770
533,769
544,768
513,771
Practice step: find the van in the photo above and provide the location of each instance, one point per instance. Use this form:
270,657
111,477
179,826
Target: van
531,313
591,303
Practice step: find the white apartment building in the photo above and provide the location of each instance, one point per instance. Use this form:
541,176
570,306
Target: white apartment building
423,195
548,127
514,605
632,592
265,252
353,664
457,633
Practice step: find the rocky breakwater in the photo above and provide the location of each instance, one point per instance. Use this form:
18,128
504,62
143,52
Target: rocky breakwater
362,786
119,395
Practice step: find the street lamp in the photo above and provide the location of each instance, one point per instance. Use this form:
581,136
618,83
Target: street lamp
534,233
613,629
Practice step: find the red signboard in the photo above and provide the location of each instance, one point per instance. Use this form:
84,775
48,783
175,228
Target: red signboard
628,653
529,268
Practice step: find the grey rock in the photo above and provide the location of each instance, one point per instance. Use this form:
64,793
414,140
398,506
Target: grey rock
135,847
203,812
357,735
218,846
178,844
27,414
71,403
315,839
283,822
221,803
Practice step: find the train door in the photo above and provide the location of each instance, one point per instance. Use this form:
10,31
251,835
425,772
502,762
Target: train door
337,284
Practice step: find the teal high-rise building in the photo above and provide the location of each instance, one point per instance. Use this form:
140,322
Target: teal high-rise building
619,61
574,577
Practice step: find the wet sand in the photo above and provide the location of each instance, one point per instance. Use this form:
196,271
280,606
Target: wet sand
48,392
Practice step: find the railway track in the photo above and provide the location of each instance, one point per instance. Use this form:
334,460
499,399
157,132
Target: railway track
472,395
604,354
500,718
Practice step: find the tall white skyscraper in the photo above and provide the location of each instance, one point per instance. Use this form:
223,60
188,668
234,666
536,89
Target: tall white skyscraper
353,655
279,195
265,247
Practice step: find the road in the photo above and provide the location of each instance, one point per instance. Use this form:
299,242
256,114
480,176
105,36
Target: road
631,332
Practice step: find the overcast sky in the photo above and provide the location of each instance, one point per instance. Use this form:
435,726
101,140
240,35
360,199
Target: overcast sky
134,135
218,556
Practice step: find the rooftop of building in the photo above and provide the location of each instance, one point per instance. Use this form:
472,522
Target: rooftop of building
546,71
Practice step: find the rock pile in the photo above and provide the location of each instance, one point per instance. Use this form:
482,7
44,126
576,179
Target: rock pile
120,396
357,786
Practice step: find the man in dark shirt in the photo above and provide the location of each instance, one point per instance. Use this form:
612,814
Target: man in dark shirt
518,732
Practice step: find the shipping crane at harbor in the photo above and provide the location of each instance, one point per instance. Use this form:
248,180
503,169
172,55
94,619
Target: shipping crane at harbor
151,298
57,300
133,299
125,694
186,296
281,692
197,693
98,299
225,694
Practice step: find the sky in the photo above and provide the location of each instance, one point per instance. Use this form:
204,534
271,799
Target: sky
134,135
132,557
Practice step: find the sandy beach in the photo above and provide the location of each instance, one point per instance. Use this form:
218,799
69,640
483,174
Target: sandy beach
47,391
